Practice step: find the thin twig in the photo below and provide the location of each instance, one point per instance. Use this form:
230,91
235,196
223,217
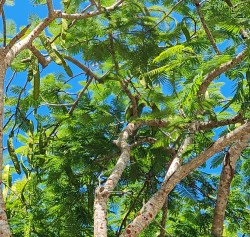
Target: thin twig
79,96
77,75
124,84
164,218
171,10
17,107
9,119
53,104
10,80
12,191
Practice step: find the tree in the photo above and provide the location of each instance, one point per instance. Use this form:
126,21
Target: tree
135,140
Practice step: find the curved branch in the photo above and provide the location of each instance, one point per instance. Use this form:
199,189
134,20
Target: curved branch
197,125
155,203
219,70
27,41
88,14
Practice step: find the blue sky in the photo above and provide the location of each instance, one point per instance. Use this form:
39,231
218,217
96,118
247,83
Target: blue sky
21,12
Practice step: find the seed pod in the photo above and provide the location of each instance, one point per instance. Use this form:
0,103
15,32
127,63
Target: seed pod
13,155
42,142
36,74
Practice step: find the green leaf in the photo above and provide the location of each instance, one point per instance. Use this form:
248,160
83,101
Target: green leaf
11,27
185,29
10,2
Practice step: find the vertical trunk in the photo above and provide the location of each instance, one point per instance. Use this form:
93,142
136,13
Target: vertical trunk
103,192
100,213
226,177
164,218
4,226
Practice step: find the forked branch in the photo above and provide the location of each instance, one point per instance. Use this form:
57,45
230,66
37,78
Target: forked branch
155,203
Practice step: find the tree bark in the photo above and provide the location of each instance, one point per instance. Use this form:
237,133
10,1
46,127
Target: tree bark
155,203
164,218
103,192
226,178
4,226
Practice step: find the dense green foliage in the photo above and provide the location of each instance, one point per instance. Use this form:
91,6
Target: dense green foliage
148,63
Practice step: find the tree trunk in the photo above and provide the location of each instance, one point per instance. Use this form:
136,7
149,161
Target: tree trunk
102,193
4,226
226,177
164,219
155,203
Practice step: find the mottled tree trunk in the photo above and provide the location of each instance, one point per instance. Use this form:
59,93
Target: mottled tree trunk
4,226
226,177
103,192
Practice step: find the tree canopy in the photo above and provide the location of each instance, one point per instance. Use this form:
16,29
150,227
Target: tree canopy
125,118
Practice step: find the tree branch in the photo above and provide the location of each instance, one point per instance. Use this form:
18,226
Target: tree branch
155,203
50,7
83,67
171,10
151,208
17,37
80,95
1,6
103,192
4,28
88,14
197,125
27,41
41,59
208,33
219,70
226,178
